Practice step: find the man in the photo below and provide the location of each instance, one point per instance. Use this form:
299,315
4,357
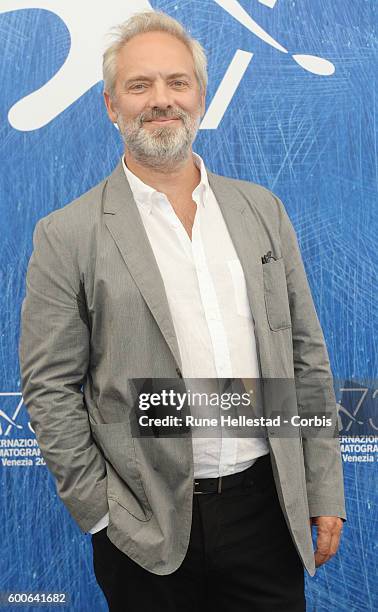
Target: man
167,271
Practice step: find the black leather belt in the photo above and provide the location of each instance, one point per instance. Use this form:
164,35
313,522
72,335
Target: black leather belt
258,470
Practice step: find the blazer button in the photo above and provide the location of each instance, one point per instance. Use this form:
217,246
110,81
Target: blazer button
178,372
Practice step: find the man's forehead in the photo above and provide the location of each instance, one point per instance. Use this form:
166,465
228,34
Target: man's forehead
151,49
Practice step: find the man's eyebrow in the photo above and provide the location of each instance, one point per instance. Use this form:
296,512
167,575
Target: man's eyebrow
179,75
143,77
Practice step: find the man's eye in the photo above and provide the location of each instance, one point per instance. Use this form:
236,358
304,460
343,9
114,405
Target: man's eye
179,84
138,86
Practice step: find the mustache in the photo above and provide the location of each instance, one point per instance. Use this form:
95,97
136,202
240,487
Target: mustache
161,113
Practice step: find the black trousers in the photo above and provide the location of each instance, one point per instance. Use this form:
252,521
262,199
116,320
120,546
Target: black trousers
240,558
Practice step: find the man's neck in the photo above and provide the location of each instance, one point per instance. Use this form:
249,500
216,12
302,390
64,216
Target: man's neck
179,181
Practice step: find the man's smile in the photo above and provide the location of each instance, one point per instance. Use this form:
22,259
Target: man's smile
162,120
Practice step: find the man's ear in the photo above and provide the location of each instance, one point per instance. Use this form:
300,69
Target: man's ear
110,107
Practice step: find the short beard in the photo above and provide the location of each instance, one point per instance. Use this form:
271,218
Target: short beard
165,147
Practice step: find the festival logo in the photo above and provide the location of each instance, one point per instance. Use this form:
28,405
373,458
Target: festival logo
82,68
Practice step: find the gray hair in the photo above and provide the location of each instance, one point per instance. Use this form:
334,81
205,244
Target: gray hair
151,21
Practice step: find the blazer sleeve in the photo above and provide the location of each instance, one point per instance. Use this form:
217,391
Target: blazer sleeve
54,357
314,384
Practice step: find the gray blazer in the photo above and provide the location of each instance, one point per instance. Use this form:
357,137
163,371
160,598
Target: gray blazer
96,315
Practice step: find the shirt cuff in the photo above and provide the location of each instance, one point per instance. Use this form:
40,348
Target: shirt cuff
101,524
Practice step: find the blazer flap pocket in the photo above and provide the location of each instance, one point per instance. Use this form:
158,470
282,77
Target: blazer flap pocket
276,297
124,479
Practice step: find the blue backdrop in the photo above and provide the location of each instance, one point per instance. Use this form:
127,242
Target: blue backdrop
307,134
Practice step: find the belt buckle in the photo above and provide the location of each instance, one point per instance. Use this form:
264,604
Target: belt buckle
195,482
219,487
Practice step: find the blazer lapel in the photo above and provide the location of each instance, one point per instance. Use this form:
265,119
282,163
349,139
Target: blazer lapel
244,230
126,226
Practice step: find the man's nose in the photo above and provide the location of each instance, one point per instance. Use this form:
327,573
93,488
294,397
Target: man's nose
161,95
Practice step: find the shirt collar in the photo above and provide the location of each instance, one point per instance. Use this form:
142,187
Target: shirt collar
145,195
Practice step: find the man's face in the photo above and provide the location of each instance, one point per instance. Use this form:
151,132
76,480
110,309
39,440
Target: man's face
157,103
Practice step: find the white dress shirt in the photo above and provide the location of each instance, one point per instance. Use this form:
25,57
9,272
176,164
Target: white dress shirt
207,296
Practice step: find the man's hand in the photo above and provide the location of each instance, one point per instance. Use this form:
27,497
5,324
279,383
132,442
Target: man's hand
329,530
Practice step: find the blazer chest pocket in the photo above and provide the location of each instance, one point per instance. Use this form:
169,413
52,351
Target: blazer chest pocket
275,293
